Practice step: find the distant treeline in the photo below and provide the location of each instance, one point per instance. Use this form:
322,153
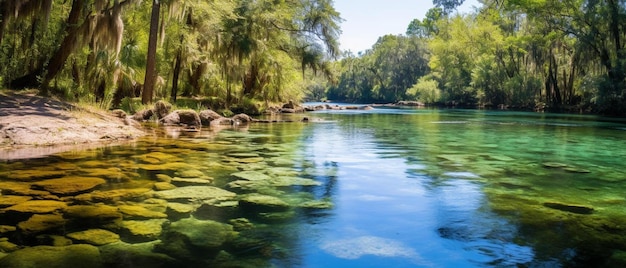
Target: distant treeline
557,55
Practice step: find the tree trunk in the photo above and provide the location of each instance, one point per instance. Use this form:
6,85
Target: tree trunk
67,45
148,85
175,76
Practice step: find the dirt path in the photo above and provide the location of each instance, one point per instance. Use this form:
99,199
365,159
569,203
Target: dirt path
32,125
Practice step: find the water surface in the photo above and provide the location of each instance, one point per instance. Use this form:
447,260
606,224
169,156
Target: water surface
383,187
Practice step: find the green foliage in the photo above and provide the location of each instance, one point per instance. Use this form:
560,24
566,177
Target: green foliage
425,90
382,74
230,51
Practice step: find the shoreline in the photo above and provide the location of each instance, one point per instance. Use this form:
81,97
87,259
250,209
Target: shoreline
33,126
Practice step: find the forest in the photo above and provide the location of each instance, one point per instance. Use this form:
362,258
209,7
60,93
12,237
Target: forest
519,54
239,54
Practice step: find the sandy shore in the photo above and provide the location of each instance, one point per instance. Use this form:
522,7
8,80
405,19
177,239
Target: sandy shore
33,126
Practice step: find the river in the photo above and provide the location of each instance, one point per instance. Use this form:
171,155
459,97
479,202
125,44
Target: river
387,187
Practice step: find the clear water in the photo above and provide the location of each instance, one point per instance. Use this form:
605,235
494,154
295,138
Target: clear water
395,188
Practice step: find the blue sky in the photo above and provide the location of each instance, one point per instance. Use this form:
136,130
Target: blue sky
366,20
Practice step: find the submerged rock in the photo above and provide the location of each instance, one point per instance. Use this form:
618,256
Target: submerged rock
69,185
139,212
81,255
41,222
37,206
578,209
11,200
202,234
263,203
121,254
195,193
97,237
139,231
93,214
176,211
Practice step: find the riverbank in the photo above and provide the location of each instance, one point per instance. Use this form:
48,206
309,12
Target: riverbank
32,126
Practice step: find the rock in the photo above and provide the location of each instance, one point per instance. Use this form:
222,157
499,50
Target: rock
217,210
162,186
576,170
143,115
7,246
285,181
195,193
119,113
289,105
242,118
97,237
241,224
121,254
37,206
157,158
23,189
114,174
182,117
206,116
7,229
578,209
93,214
163,178
180,182
162,108
221,122
315,204
176,211
191,173
554,165
113,195
139,231
48,256
410,103
259,202
69,185
41,222
251,176
32,174
10,200
53,240
139,212
202,234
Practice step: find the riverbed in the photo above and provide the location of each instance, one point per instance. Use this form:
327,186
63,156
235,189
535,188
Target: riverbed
387,187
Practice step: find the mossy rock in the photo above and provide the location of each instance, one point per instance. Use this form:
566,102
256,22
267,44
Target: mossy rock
203,234
69,185
139,212
251,176
41,222
95,214
259,202
11,200
97,237
122,254
37,206
81,255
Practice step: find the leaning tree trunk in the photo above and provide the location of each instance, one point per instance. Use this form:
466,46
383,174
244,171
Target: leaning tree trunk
148,85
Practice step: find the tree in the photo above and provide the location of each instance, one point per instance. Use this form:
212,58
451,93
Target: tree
148,85
448,6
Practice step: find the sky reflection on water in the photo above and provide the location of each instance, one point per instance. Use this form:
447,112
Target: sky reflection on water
383,216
